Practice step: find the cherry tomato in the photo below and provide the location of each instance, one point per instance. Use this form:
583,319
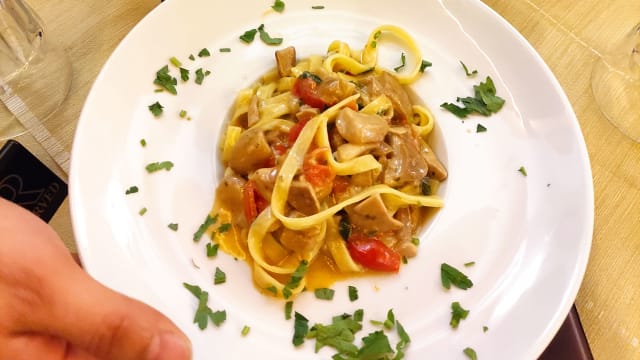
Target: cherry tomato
254,203
296,130
307,90
373,253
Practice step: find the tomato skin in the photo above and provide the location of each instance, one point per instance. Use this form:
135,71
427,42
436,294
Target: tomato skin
307,90
372,253
296,130
253,202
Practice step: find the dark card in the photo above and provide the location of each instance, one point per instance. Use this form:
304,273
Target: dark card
26,181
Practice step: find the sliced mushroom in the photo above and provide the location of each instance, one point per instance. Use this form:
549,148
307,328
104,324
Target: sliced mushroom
436,168
359,128
265,180
250,153
406,164
253,114
302,197
285,60
333,89
300,241
387,84
371,215
229,195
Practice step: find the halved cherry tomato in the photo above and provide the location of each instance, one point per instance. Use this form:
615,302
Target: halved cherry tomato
307,90
340,184
254,203
296,130
373,253
316,171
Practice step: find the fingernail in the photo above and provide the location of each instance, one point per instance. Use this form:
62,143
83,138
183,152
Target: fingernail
169,346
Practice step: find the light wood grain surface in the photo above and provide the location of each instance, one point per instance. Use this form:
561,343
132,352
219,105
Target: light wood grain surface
570,35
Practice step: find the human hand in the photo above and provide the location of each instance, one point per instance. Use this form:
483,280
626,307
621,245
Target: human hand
50,309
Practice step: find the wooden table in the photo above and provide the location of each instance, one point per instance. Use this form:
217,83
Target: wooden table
569,34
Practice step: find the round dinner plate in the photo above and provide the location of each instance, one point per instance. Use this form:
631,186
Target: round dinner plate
528,236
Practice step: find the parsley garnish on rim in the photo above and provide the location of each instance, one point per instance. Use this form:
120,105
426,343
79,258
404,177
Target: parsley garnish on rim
288,308
480,128
324,293
466,70
471,354
300,329
208,221
522,171
204,312
156,109
184,74
424,65
219,277
249,35
484,102
173,226
165,80
353,293
278,6
457,313
264,36
296,277
204,53
403,59
212,249
157,166
317,7
131,190
450,275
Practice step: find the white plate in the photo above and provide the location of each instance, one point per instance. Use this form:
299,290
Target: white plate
529,236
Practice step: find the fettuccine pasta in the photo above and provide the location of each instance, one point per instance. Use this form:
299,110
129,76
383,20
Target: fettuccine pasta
328,168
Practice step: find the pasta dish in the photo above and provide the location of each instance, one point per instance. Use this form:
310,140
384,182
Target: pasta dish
328,172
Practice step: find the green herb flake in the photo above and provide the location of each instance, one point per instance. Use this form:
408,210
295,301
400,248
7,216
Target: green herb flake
469,264
212,249
143,142
471,354
310,75
266,38
208,221
456,110
522,171
296,277
353,293
245,330
339,335
415,241
344,227
165,80
358,315
199,76
450,275
300,329
288,309
458,313
142,211
278,6
405,261
404,341
403,60
425,186
484,102
156,109
272,289
204,53
485,328
224,228
203,312
173,226
219,277
218,317
317,7
175,62
466,70
225,50
376,346
131,190
424,65
374,44
184,74
249,36
480,128
157,166
191,57
324,293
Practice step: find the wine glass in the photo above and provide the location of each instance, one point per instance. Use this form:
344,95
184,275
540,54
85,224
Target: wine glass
615,82
34,77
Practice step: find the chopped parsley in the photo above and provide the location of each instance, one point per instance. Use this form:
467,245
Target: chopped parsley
466,70
245,330
143,142
203,312
339,335
278,6
344,227
324,293
204,53
157,166
224,228
296,277
272,289
484,102
175,62
310,75
480,128
300,329
219,277
165,80
266,38
485,328
425,186
208,221
173,226
402,63
288,308
471,354
376,346
470,263
142,211
184,74
156,109
225,50
248,36
415,241
424,65
191,57
199,76
212,249
404,341
317,7
450,275
353,293
131,190
522,170
457,313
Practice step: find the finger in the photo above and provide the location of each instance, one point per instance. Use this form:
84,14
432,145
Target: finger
52,295
32,346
